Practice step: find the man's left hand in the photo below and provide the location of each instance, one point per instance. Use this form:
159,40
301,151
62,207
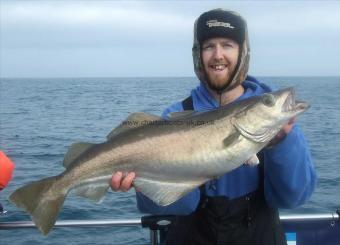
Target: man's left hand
283,132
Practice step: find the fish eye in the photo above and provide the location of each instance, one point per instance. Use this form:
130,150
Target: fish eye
268,100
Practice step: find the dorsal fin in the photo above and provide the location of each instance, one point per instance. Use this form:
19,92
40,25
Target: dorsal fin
134,120
75,150
181,114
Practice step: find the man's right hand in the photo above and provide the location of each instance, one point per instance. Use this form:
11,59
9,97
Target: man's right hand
122,182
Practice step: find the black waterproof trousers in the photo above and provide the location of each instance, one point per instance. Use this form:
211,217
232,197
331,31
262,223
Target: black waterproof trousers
246,220
218,220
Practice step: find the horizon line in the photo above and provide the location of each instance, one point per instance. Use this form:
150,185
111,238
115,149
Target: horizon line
81,77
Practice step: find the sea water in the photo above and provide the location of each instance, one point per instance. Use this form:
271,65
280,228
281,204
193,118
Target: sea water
41,118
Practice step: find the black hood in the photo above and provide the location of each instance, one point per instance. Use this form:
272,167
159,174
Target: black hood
222,23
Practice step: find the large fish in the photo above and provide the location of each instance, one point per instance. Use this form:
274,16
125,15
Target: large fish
170,157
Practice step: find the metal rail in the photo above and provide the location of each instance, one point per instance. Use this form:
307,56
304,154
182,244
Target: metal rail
138,221
297,217
73,223
156,223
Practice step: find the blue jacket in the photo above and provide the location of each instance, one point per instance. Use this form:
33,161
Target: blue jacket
289,171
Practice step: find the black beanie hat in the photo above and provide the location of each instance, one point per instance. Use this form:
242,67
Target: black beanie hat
220,23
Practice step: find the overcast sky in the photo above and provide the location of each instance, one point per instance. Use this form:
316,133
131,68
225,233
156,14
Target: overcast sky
149,38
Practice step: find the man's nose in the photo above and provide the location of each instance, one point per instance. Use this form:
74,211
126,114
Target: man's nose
218,53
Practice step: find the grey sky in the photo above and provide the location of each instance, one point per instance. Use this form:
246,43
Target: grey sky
149,38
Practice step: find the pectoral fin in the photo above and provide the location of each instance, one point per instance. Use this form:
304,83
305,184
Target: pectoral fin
232,139
259,137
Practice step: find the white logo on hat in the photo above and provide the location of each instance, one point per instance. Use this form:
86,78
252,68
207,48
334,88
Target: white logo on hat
214,23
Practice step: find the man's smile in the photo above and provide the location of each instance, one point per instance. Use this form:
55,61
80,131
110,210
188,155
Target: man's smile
219,67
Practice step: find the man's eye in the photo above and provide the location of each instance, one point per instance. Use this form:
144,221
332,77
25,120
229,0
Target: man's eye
227,45
207,47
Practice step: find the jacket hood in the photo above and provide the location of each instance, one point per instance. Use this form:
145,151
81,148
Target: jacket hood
203,100
222,23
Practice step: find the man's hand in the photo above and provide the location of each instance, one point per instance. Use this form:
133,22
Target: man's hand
122,182
283,132
288,127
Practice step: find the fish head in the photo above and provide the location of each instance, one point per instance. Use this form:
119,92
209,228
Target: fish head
277,108
266,114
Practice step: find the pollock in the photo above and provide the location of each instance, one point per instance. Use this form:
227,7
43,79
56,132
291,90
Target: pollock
170,157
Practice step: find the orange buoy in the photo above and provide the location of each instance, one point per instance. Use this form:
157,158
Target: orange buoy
6,170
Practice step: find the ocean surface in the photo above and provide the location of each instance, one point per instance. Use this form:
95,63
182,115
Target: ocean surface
41,118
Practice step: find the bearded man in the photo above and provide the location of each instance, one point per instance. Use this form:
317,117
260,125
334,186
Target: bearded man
240,207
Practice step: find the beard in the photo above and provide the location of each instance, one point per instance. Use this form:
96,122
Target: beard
218,83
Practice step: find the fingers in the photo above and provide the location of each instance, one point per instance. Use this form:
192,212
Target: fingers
283,132
292,120
116,180
288,127
127,181
122,182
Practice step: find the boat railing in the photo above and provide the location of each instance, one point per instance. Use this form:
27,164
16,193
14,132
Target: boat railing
158,225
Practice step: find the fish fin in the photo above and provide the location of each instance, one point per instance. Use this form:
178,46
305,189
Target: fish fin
181,114
258,137
40,203
94,192
134,120
253,160
232,139
75,150
164,193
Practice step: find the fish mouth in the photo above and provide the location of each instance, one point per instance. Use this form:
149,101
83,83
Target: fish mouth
293,106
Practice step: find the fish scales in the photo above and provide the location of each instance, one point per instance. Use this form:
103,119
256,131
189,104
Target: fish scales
170,157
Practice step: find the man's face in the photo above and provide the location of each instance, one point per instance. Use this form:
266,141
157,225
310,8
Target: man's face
219,56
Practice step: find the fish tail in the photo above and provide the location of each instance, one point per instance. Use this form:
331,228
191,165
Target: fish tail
42,200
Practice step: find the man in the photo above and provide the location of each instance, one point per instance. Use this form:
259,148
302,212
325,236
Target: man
241,206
